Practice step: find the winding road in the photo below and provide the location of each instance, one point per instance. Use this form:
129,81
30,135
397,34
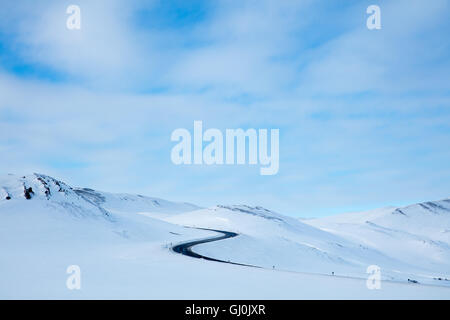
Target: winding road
186,247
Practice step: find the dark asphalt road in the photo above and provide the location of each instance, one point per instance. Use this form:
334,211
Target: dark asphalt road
186,248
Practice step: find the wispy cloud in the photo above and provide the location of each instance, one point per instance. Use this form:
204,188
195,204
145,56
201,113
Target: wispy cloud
364,115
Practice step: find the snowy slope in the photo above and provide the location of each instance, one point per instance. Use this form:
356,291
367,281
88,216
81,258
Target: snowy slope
25,195
122,244
43,189
83,201
271,240
123,202
418,234
46,225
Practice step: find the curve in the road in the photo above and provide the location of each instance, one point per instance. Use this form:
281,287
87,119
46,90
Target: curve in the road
186,247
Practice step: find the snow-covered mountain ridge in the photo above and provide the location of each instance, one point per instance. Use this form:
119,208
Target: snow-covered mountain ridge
39,187
46,225
417,234
82,201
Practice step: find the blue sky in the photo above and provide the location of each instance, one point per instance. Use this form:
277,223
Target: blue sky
364,116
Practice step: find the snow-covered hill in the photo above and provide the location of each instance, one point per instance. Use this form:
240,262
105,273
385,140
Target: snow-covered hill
271,240
418,234
47,225
83,201
122,244
40,189
129,203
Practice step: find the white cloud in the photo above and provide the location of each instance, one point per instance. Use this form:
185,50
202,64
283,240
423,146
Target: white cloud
248,64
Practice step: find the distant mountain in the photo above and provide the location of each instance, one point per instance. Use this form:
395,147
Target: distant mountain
272,240
46,225
83,201
417,234
131,203
45,190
